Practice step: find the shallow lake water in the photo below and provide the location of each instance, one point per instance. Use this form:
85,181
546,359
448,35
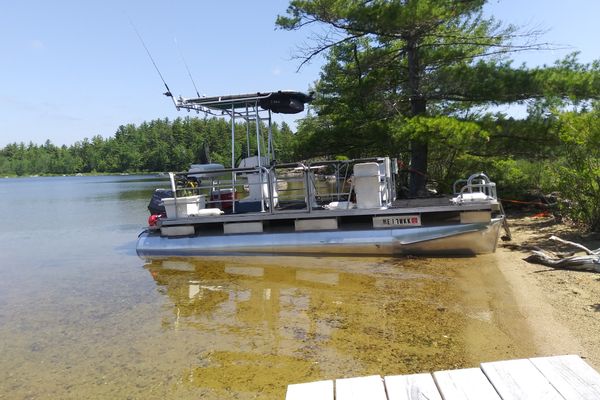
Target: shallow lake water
81,316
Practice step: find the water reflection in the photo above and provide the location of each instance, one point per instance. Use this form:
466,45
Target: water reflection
263,323
80,318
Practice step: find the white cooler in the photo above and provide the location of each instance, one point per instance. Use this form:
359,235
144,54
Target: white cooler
182,207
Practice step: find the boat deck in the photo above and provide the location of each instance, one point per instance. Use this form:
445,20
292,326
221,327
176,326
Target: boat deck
548,378
403,206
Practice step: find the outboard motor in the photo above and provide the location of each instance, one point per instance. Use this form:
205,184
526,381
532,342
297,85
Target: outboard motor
156,206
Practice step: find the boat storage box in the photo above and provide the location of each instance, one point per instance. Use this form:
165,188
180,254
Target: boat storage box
367,185
182,207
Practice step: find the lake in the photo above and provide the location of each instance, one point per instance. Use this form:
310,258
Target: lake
81,316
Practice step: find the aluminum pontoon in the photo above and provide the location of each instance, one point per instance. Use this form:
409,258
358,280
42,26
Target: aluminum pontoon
322,207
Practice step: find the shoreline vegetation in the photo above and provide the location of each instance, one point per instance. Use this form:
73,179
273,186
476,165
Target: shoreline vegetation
157,173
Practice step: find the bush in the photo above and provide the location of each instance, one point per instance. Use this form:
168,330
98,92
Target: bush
579,169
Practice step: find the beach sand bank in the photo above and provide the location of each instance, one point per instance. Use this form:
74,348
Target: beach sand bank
561,307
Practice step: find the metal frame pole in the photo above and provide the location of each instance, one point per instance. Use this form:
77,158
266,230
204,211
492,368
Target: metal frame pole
260,171
233,175
271,150
247,132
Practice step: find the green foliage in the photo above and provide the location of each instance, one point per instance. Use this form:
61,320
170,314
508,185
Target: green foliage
498,81
447,131
414,79
515,178
579,168
399,58
159,145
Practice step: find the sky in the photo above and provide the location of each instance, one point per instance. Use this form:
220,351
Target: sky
72,69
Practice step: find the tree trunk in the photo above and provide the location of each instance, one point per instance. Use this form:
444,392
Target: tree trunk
418,105
589,262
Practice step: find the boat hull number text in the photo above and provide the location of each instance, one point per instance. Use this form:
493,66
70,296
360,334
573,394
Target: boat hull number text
396,220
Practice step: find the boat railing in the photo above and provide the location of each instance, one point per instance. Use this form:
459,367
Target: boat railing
301,187
477,187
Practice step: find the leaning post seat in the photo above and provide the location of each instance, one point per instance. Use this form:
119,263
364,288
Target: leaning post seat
367,185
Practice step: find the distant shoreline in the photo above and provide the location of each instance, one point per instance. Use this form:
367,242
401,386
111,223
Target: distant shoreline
85,174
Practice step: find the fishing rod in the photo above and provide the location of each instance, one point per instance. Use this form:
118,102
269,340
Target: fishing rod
186,67
168,92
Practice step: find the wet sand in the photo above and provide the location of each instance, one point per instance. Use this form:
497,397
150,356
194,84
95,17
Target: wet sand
561,307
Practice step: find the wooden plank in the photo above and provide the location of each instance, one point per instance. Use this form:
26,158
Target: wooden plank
411,387
362,388
519,380
465,384
571,376
320,390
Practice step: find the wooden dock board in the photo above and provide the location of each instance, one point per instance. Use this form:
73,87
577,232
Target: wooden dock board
519,380
465,384
320,390
548,378
572,377
366,387
411,387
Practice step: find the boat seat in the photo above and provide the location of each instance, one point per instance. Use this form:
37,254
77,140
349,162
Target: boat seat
367,185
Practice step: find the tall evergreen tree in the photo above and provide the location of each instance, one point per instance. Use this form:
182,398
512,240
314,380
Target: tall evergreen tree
398,69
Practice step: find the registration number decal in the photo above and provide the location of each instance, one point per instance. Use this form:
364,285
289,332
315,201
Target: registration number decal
397,220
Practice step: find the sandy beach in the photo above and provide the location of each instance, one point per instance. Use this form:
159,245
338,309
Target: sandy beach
560,307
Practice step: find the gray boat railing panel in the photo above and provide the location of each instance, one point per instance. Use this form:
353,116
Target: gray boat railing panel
291,189
267,178
288,214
